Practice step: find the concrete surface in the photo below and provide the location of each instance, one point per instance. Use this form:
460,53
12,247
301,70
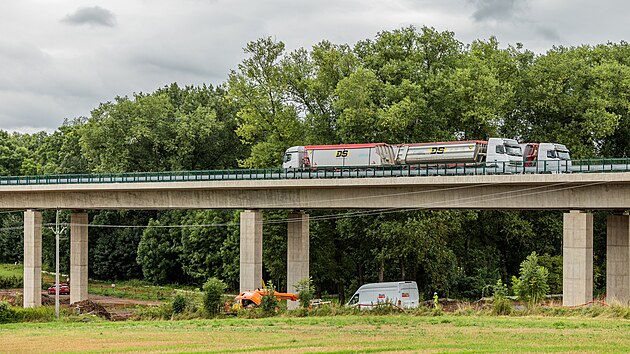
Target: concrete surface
577,258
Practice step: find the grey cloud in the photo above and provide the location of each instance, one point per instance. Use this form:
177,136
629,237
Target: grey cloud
498,10
93,16
549,33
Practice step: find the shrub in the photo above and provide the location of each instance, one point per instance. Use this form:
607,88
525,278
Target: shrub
6,313
10,282
500,303
162,312
305,291
35,314
179,303
532,284
213,296
268,303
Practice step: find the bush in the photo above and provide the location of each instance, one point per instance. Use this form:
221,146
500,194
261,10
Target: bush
532,284
6,313
500,303
269,303
179,303
305,291
162,312
213,296
35,314
10,282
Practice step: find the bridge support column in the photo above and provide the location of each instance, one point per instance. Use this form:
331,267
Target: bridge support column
618,259
577,258
78,257
251,250
32,258
297,252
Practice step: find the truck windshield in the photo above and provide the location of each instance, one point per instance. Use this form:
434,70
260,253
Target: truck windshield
513,150
287,157
563,155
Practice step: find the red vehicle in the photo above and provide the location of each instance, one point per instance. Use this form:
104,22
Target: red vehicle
64,289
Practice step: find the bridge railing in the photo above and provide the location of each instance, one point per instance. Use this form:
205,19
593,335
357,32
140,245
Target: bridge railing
426,169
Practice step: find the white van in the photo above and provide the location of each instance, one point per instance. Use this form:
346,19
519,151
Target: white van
403,294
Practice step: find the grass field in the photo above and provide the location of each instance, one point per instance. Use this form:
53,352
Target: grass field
343,334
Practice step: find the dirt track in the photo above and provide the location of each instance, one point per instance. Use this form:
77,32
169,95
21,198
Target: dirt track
106,301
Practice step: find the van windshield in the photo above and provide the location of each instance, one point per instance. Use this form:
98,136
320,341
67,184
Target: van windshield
354,300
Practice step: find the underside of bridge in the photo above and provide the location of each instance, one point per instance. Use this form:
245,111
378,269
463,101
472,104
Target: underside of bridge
577,256
250,254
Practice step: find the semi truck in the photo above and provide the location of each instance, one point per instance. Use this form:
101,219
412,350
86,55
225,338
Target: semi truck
403,294
551,157
471,151
491,152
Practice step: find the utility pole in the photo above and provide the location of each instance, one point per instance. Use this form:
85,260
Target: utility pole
57,232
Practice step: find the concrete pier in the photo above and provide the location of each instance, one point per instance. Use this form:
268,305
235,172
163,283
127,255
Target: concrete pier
297,252
32,258
618,259
577,258
78,257
251,250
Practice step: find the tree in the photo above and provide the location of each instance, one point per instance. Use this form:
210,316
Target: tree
305,292
213,294
267,118
11,238
531,286
114,250
159,250
171,129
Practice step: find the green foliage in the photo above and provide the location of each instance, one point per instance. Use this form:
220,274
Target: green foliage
6,313
305,291
531,285
179,303
161,312
11,238
10,314
501,305
553,264
268,303
159,248
114,251
10,281
172,129
266,118
213,295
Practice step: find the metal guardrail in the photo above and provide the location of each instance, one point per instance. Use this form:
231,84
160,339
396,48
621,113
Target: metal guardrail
426,169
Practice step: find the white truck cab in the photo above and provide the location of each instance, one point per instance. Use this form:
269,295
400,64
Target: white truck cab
294,157
550,157
504,151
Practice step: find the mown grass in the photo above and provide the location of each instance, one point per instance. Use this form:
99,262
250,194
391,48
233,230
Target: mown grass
343,334
8,270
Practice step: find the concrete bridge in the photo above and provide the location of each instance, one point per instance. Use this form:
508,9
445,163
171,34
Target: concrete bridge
575,193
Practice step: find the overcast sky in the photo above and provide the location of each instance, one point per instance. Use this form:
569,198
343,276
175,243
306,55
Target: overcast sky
60,59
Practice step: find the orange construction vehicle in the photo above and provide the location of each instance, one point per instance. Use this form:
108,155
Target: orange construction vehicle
253,298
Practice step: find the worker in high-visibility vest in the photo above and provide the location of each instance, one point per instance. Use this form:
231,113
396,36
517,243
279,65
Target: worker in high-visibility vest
435,300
